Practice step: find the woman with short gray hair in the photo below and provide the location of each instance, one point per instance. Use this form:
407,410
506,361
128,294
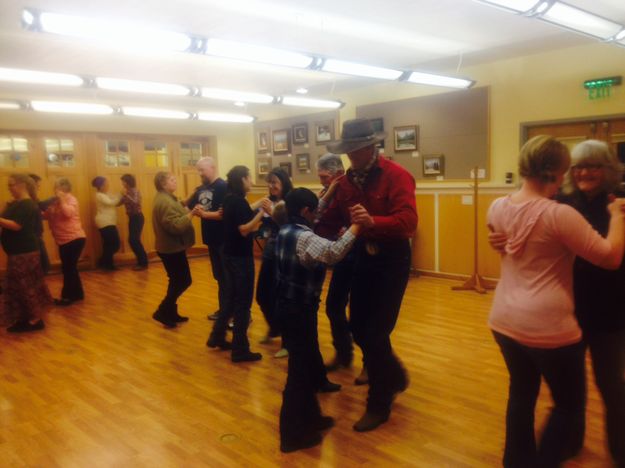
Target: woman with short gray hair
63,217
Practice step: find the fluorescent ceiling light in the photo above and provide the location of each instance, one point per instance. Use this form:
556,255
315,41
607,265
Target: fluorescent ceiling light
620,36
71,107
253,53
231,95
28,17
357,69
579,20
301,91
37,77
519,6
239,104
224,117
115,33
439,80
9,105
307,102
147,87
156,113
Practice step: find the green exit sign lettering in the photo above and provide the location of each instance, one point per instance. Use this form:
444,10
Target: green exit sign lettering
599,88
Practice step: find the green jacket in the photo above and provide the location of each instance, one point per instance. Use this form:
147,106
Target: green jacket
172,226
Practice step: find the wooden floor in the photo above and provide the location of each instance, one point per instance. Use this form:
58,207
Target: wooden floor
105,385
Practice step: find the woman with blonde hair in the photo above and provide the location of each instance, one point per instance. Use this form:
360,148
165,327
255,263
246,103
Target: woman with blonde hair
532,316
25,293
64,220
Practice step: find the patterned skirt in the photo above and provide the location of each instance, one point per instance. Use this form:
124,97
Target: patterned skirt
25,291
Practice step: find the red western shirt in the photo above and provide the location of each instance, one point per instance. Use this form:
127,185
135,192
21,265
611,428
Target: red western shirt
389,197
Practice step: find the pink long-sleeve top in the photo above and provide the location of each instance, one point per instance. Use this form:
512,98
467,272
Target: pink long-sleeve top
64,220
533,301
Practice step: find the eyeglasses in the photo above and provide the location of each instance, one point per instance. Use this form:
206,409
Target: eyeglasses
588,167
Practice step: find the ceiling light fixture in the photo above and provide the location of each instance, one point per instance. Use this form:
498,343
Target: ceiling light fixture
231,95
224,117
7,105
439,80
301,91
38,77
155,113
308,102
578,20
357,69
112,33
71,107
147,87
254,53
518,6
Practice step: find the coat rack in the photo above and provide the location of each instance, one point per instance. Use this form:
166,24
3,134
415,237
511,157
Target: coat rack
475,282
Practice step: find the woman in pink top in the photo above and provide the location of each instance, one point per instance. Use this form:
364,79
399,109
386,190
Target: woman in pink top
64,219
532,316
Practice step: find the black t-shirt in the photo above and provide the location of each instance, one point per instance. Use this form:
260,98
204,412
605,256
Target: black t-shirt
237,212
26,214
211,197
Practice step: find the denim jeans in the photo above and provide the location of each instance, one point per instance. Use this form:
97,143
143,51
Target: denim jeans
135,226
563,370
238,296
70,254
336,305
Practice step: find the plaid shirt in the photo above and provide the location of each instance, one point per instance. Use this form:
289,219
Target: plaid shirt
132,201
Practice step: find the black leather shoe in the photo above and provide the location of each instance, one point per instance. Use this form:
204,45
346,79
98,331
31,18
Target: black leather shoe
363,378
246,357
221,344
167,321
26,326
62,302
181,319
300,443
329,387
370,421
324,423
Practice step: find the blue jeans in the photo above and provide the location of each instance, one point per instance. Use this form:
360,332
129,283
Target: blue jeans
336,305
135,226
564,372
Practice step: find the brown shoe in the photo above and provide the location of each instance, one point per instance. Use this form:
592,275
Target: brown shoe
370,421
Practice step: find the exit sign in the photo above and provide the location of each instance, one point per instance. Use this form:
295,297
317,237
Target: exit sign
600,87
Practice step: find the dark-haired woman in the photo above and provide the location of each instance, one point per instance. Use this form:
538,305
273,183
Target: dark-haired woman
240,221
131,199
279,186
26,293
106,221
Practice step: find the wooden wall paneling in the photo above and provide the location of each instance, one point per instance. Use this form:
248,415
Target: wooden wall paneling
455,231
423,248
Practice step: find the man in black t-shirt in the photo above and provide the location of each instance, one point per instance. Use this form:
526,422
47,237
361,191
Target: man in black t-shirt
206,202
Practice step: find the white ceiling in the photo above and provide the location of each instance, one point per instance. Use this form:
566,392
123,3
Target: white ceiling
426,35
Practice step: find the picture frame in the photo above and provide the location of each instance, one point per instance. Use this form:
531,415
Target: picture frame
287,167
281,141
433,164
406,138
378,126
262,141
303,162
300,134
263,167
324,132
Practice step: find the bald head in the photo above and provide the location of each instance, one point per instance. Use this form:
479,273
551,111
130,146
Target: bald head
207,169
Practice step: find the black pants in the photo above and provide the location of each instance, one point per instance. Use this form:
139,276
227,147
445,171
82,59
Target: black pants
336,305
563,370
238,296
135,226
300,410
110,245
377,291
216,255
70,254
179,275
607,350
45,259
266,288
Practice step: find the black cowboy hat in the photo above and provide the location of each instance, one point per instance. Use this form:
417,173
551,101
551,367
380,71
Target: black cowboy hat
356,134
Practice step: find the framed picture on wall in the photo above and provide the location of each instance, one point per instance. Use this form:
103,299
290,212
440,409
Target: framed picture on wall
281,141
406,138
324,131
287,167
300,134
378,126
262,141
303,162
433,164
263,167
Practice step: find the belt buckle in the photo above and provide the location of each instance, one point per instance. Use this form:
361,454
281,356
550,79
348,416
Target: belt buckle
372,248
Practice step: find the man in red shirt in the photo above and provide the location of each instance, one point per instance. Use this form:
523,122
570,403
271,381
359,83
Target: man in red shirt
380,195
